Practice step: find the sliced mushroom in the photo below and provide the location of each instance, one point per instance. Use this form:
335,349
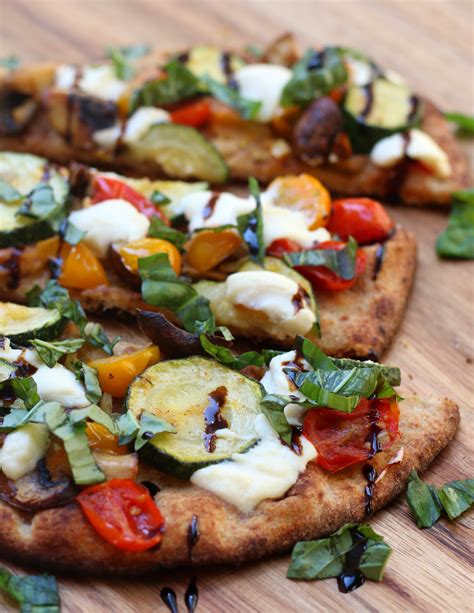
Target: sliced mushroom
16,110
316,131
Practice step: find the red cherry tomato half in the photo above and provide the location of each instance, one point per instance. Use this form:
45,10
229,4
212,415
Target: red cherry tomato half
342,439
194,114
364,219
321,277
107,188
123,513
280,246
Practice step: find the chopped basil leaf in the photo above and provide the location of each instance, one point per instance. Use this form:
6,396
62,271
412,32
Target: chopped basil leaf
10,62
255,51
123,56
315,75
53,296
159,198
95,414
72,234
326,557
247,109
427,502
34,593
340,262
51,352
96,336
88,376
465,123
179,84
41,204
158,229
314,355
457,241
127,427
8,193
23,388
225,356
162,287
150,426
272,407
251,225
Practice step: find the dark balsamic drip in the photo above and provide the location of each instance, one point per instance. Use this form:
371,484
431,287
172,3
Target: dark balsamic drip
351,577
213,418
79,179
191,595
152,488
369,101
55,266
2,342
415,104
44,476
210,206
295,365
46,172
296,445
168,596
300,299
23,368
370,474
316,61
193,534
227,68
379,255
374,430
12,268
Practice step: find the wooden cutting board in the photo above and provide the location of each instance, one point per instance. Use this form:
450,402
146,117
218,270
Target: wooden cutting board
430,43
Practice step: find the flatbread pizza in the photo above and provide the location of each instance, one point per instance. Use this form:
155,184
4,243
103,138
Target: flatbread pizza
212,114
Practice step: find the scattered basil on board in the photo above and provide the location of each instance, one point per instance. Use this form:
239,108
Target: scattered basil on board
123,57
427,502
457,241
465,123
34,593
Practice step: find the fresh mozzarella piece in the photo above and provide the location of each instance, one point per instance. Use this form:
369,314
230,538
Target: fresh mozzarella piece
65,76
22,449
101,81
272,294
418,145
108,222
141,121
263,83
360,71
57,383
266,471
278,222
423,148
275,381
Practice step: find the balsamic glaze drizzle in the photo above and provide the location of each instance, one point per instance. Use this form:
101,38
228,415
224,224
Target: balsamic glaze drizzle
210,206
168,596
368,470
212,417
152,488
193,534
12,267
191,596
351,577
370,474
379,255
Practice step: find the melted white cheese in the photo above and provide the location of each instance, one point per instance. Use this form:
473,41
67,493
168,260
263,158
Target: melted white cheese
266,471
57,383
392,149
108,222
141,121
22,449
99,81
271,293
225,211
263,83
65,76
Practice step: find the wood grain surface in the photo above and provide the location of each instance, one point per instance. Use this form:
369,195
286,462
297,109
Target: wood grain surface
430,42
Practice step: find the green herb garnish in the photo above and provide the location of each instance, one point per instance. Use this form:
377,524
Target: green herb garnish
465,123
457,241
34,593
51,352
342,262
251,226
179,84
247,109
122,59
158,229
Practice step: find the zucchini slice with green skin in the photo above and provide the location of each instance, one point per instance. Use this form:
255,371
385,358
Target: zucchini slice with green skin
377,110
21,323
24,172
182,152
197,396
206,60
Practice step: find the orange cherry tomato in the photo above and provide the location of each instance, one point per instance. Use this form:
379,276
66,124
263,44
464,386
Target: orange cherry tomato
117,372
144,247
123,513
195,113
342,439
81,269
224,115
101,439
302,193
207,249
363,218
324,278
107,188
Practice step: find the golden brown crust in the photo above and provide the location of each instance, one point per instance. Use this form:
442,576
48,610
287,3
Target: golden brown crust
62,540
358,322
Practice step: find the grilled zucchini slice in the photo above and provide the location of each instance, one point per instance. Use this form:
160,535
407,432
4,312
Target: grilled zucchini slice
21,323
206,60
187,393
182,152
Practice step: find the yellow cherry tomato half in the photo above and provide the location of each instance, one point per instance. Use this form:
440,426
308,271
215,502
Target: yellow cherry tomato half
302,193
207,249
101,439
81,269
116,373
132,252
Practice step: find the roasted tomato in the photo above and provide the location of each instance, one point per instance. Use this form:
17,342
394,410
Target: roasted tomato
81,269
280,246
107,188
123,513
194,114
364,219
100,439
144,247
321,277
207,249
342,439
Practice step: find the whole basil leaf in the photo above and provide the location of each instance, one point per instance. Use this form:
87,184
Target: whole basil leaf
8,193
158,229
457,241
251,226
247,109
34,593
314,76
51,352
340,262
456,497
465,123
374,559
179,84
